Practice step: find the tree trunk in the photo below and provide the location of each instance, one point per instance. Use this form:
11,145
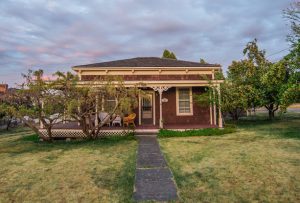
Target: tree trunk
36,130
8,124
271,114
234,115
271,108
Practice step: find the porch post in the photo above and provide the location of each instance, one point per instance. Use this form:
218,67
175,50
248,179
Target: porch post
210,109
41,123
96,111
160,109
78,109
140,109
64,116
220,112
214,99
160,90
102,103
215,107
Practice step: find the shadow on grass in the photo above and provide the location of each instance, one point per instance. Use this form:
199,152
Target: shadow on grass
287,126
121,183
16,131
31,144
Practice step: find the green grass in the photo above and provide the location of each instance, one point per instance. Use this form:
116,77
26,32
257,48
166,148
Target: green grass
198,132
75,171
260,162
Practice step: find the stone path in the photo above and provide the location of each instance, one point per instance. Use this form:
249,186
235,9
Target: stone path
153,178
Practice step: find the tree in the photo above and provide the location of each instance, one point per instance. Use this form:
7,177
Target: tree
203,61
292,14
273,82
168,54
268,79
82,103
37,99
7,113
245,74
291,92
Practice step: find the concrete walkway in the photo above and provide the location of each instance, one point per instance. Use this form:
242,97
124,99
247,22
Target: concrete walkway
153,178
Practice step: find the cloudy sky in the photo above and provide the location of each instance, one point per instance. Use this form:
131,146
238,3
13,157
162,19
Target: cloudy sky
57,34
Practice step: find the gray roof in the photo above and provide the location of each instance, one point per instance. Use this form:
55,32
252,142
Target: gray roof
147,62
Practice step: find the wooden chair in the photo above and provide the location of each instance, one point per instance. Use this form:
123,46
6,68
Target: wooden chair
129,120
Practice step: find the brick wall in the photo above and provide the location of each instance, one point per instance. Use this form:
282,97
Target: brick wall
3,88
200,114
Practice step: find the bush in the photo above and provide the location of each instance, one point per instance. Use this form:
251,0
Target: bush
199,132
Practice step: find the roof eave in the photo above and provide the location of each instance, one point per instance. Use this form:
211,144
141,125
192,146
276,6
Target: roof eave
80,68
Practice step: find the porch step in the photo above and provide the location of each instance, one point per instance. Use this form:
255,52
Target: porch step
146,134
141,132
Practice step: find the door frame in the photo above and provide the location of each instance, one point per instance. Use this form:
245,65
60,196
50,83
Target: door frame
153,106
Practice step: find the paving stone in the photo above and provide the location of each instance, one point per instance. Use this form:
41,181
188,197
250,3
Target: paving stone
155,190
155,162
153,174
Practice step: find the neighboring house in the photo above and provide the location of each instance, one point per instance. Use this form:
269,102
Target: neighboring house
170,84
3,88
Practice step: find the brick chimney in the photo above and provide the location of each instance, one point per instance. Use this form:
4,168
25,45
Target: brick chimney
3,88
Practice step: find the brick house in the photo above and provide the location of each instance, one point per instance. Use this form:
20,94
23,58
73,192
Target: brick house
3,88
170,84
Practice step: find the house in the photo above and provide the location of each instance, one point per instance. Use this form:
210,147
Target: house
3,88
170,86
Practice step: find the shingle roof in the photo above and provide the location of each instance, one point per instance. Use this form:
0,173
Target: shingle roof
147,62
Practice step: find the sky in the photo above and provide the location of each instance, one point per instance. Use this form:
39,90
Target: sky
58,34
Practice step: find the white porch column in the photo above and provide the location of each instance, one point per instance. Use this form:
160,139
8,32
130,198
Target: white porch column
214,99
160,90
41,123
210,109
96,111
220,112
215,107
160,110
140,109
102,103
78,109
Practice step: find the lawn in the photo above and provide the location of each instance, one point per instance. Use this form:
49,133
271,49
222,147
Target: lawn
86,171
260,162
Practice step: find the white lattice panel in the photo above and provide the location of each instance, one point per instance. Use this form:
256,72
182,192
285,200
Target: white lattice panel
72,133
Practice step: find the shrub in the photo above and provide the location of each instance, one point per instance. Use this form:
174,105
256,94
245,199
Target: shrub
198,132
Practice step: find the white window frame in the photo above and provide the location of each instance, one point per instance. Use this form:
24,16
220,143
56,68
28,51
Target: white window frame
177,101
108,100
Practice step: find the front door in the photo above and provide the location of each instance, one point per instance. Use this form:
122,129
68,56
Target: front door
147,109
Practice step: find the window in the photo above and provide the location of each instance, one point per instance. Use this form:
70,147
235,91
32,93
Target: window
110,104
184,103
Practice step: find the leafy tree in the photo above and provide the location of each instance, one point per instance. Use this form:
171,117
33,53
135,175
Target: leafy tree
292,14
246,75
37,99
168,54
203,61
6,113
233,99
273,83
291,92
83,103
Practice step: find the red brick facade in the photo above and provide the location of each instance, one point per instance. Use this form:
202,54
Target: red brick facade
3,88
201,115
